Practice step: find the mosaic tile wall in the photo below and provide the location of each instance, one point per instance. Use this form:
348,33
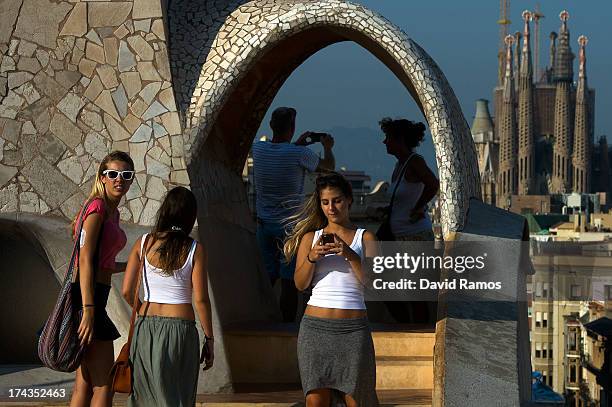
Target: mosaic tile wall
77,80
87,77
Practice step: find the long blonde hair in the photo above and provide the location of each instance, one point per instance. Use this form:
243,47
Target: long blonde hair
97,189
311,216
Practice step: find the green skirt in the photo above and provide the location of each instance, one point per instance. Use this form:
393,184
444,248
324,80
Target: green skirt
165,354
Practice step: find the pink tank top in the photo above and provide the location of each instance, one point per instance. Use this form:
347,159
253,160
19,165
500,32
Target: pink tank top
113,238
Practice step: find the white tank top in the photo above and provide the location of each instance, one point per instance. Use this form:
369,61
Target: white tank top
165,289
406,196
334,282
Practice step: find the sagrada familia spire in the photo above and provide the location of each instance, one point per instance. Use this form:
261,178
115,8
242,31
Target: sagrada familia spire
525,117
542,138
563,75
581,155
506,179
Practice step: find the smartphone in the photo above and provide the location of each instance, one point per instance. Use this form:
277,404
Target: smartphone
314,138
327,238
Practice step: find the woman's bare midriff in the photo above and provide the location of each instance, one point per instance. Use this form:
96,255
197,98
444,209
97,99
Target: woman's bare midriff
184,311
334,313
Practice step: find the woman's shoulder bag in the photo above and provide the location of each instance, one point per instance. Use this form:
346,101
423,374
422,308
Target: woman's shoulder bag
121,372
59,347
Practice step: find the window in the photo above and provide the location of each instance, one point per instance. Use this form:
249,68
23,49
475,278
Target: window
550,351
544,376
538,290
572,339
545,320
609,292
538,321
545,290
545,350
538,350
573,373
550,380
575,291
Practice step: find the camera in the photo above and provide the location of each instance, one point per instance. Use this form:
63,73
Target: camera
327,238
314,137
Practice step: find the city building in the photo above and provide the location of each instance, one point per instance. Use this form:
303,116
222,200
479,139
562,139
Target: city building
571,288
597,356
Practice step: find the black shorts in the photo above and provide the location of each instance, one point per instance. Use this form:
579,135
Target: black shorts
104,329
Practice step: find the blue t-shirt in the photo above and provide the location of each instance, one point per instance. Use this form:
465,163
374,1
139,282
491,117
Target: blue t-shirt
279,170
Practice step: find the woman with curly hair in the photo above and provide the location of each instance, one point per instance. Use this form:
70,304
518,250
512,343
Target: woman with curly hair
416,183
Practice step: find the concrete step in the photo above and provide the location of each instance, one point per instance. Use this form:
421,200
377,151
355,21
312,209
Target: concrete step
262,355
403,343
404,372
267,353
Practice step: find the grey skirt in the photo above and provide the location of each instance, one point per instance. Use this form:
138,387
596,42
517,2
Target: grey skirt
165,354
338,354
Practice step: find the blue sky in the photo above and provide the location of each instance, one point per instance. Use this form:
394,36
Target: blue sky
346,90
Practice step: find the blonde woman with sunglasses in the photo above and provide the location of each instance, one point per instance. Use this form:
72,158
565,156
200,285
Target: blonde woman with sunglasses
101,240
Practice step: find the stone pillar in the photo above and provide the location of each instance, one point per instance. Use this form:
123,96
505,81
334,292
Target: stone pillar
481,353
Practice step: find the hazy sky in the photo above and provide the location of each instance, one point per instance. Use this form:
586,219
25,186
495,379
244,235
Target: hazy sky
344,86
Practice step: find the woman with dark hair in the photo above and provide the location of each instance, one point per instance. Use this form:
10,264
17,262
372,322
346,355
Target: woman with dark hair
335,348
101,239
165,350
416,183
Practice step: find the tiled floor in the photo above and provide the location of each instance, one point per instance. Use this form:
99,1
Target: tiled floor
278,398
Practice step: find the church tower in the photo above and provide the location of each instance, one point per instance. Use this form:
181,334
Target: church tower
507,179
562,76
581,156
526,147
487,149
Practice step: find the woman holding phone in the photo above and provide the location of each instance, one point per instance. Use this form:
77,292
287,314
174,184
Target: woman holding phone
335,348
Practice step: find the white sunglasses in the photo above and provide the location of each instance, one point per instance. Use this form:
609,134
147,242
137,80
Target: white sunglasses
113,174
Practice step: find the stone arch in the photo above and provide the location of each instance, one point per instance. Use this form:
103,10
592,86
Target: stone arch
262,42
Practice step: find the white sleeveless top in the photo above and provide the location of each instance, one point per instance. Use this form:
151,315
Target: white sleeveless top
334,282
406,196
164,289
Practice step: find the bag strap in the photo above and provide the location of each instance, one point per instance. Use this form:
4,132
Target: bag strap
76,251
137,290
399,179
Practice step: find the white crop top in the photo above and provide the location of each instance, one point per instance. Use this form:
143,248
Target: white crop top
334,282
407,194
164,289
